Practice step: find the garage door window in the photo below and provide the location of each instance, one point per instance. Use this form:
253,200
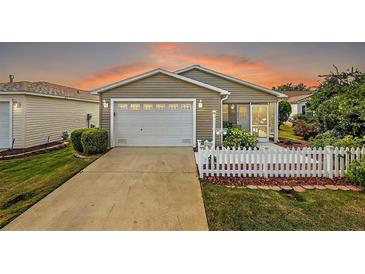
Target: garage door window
147,106
173,106
135,106
186,106
160,106
123,106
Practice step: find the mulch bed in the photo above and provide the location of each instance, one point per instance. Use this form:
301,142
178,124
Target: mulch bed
291,143
19,153
277,181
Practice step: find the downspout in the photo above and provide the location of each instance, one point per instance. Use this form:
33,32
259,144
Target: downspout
223,99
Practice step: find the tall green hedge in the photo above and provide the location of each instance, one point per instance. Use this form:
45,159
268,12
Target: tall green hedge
94,141
76,139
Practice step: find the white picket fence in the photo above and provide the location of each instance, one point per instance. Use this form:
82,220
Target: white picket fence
270,162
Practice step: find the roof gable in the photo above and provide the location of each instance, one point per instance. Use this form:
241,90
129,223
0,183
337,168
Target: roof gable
154,72
233,79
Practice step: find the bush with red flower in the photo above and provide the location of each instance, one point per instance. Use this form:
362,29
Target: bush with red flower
305,129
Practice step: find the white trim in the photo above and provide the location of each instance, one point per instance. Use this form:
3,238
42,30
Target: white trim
113,100
276,124
250,118
45,95
221,114
153,72
10,101
270,91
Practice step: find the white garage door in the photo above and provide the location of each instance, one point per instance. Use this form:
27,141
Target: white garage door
153,123
4,124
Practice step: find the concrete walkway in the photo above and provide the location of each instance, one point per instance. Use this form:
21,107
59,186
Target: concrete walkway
126,189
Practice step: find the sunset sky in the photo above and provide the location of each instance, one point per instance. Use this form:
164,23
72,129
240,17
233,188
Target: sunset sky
91,65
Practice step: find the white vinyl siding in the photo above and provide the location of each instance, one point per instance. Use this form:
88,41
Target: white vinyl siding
50,117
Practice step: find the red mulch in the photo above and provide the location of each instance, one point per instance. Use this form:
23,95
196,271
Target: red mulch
291,181
294,145
29,149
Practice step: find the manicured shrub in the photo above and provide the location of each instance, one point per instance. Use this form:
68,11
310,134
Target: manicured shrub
327,138
94,141
356,172
76,139
306,130
237,137
349,141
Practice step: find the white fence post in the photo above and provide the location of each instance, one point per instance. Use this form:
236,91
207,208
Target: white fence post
200,164
329,161
265,162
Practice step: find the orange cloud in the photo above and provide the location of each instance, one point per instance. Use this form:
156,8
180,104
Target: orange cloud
172,56
111,75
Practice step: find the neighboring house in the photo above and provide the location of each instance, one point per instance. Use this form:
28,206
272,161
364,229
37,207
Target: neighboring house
34,113
162,108
298,101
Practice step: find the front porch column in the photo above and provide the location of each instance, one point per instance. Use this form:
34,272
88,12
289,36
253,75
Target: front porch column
276,125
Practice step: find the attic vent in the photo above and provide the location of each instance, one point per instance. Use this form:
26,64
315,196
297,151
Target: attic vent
186,141
122,141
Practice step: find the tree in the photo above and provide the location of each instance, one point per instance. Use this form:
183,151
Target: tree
291,87
339,103
284,111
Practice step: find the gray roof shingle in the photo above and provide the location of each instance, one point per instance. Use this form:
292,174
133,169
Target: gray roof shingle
46,88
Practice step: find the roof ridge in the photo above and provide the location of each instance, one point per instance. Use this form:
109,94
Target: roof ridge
153,72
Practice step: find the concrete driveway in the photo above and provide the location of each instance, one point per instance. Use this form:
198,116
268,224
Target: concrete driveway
126,189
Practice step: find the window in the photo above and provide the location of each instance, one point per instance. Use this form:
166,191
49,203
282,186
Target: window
123,106
243,117
225,113
160,106
135,106
173,106
147,106
186,106
303,109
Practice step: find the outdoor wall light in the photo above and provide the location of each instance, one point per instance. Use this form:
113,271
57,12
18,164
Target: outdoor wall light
232,107
105,104
200,104
17,104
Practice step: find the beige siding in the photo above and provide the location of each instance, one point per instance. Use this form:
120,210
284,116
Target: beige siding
18,123
50,117
163,86
239,92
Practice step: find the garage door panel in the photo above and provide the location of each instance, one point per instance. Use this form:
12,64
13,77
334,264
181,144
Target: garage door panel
152,126
4,124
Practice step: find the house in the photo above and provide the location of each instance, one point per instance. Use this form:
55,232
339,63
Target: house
298,101
163,108
35,113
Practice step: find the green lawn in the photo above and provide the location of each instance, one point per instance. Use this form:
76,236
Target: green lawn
287,131
245,209
23,182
